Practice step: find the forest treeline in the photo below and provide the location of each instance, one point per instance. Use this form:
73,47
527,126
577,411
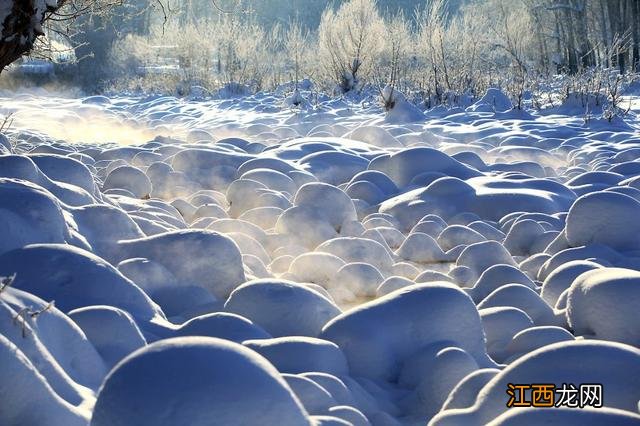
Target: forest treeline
439,50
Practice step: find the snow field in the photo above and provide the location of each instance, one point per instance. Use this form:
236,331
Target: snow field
332,265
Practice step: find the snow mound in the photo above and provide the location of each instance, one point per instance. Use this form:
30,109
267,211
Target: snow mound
558,281
328,201
192,380
75,278
614,365
52,332
604,217
406,164
495,277
196,257
494,100
375,136
306,225
112,331
315,398
500,325
464,394
299,354
21,378
29,214
362,279
421,248
359,250
533,338
524,298
481,256
603,304
282,308
222,325
128,178
66,169
377,337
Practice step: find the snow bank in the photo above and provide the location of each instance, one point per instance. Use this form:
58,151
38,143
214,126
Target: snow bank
130,179
21,378
282,308
74,278
192,380
379,336
29,214
603,304
613,365
604,217
186,254
298,354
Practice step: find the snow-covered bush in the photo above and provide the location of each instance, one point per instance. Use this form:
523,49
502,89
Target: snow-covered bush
349,42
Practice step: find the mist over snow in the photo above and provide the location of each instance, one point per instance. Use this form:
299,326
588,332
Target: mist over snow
314,213
247,261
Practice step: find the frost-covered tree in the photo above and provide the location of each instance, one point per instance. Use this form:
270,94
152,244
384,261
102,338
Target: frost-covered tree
296,44
432,22
509,39
350,40
395,59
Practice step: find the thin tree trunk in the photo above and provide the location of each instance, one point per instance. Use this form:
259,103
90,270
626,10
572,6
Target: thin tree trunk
634,9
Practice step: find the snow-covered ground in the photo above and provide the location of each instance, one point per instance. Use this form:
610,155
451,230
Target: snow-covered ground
237,262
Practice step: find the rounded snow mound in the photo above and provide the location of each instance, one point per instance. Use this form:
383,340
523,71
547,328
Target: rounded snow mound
379,179
282,308
327,200
112,331
129,178
374,135
23,388
604,217
196,257
421,248
379,336
614,365
222,325
560,279
360,278
29,214
494,100
298,354
196,381
74,278
481,256
495,277
359,250
306,225
65,169
316,267
404,165
603,304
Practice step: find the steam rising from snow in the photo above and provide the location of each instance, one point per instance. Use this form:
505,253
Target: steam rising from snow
368,267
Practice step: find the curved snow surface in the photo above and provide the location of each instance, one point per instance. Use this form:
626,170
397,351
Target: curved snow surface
173,262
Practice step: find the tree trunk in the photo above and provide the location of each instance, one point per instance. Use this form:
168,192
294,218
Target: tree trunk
20,29
585,51
606,39
635,33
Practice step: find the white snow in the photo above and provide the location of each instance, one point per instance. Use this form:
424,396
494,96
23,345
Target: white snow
252,261
193,380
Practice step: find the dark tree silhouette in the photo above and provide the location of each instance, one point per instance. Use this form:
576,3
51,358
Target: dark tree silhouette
22,23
